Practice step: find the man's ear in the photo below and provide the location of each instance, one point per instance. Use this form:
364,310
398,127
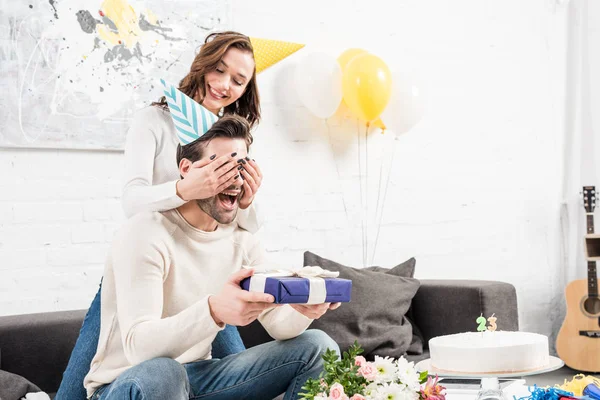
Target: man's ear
184,167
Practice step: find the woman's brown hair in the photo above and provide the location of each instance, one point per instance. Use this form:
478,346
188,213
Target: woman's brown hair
207,60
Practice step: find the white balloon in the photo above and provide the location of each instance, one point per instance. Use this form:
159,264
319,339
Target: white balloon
407,104
318,82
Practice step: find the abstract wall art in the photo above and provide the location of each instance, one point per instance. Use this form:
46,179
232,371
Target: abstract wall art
73,72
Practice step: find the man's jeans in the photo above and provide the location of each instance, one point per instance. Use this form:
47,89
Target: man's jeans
261,372
227,342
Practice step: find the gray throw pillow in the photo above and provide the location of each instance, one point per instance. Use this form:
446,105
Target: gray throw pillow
376,314
406,269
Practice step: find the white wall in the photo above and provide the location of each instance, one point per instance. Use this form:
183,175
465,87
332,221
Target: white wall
474,190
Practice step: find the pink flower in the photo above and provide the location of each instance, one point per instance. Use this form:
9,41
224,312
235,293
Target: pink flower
368,371
359,360
336,392
358,397
433,391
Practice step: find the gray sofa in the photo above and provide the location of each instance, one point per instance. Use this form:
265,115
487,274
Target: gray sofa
38,346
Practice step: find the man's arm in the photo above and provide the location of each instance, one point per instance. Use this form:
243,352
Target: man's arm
141,260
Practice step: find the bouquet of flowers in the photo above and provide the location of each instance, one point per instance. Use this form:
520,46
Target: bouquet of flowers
354,378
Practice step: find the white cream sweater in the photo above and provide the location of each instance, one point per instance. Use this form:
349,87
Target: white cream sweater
157,280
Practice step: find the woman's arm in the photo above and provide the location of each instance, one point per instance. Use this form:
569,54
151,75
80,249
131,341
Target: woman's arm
139,192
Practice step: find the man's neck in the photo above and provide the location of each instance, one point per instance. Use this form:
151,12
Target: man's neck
197,218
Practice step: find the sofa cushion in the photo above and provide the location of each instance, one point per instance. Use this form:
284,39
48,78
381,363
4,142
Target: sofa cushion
376,314
407,269
13,386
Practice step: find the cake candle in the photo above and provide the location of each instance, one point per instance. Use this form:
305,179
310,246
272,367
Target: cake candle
481,323
492,321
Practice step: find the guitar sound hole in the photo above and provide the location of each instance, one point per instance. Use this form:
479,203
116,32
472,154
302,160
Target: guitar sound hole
592,305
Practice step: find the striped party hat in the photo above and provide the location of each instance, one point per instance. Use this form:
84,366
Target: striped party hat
191,119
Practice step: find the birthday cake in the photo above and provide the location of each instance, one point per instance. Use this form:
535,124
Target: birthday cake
489,352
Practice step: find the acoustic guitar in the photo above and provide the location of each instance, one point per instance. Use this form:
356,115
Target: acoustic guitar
578,341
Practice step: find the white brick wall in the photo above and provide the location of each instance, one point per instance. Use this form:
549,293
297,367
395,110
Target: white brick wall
474,189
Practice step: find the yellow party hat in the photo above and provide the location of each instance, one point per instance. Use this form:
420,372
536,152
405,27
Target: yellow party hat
268,52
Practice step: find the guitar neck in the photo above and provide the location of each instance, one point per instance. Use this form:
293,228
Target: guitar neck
592,279
592,276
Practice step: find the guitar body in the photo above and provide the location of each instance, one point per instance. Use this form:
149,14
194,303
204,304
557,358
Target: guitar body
578,351
578,341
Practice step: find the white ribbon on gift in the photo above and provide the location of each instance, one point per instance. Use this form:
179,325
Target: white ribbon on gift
317,291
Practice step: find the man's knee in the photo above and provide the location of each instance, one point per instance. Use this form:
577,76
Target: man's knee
153,379
164,368
320,341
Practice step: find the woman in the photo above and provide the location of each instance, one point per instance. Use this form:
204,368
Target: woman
222,78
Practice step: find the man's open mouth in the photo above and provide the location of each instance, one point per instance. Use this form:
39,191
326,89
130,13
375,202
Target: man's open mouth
228,199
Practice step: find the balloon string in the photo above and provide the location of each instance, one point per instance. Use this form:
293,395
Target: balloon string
377,210
337,169
384,197
362,209
366,196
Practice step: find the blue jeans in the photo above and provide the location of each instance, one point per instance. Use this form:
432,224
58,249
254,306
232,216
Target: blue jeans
262,372
227,342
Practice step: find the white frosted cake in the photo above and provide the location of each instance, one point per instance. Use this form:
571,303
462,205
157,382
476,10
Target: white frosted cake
486,352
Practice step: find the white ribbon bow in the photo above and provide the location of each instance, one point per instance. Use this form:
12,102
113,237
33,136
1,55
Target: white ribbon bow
317,292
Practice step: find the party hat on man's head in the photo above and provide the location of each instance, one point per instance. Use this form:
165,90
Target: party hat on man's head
191,119
268,52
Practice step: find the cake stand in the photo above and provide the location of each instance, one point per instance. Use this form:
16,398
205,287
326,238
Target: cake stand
490,388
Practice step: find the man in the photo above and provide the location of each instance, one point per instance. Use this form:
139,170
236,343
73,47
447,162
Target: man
171,283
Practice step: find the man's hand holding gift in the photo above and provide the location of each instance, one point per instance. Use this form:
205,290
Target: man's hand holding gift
314,311
235,306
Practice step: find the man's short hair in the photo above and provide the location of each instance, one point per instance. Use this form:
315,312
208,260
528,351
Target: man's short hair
230,126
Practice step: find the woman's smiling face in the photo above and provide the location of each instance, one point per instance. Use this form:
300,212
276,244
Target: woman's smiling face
228,81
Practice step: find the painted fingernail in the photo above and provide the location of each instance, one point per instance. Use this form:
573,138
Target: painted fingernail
242,176
253,160
247,158
213,156
237,176
240,160
240,167
233,154
243,161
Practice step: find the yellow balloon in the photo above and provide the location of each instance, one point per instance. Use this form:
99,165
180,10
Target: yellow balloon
348,55
379,123
367,86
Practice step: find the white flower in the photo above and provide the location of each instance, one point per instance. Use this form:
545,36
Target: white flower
371,389
386,369
320,398
407,374
394,391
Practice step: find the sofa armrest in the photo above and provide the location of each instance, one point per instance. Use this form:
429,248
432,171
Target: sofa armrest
38,346
443,307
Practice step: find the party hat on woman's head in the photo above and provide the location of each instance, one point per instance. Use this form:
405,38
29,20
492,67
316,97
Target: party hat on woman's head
268,52
191,119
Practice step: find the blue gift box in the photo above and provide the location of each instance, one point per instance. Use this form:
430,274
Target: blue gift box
296,290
